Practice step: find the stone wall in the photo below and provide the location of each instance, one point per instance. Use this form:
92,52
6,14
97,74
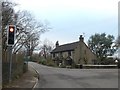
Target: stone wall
83,55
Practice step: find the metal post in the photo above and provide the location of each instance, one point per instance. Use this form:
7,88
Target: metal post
10,62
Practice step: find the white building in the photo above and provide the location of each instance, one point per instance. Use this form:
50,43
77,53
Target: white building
116,55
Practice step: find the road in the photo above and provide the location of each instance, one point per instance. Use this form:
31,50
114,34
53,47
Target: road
51,77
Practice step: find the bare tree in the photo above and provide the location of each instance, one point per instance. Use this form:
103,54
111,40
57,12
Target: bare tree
28,30
47,47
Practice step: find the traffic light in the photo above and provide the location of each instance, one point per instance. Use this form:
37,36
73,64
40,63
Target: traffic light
11,35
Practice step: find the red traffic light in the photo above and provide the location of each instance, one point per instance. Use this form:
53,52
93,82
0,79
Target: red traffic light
11,35
11,29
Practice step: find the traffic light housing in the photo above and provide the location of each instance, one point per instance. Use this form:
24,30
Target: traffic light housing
11,35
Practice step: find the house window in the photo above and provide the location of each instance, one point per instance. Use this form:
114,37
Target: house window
69,53
57,55
60,53
53,54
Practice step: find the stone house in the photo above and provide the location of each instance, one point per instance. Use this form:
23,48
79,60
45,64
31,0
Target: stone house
76,52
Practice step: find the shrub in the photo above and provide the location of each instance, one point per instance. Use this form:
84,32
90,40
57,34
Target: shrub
50,62
43,61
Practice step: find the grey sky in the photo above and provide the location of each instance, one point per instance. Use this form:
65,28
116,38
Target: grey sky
70,18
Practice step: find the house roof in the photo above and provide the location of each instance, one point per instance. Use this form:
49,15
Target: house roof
66,47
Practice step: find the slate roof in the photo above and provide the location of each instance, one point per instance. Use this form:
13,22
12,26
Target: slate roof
66,47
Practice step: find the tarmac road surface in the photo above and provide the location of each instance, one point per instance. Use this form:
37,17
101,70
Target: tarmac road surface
51,77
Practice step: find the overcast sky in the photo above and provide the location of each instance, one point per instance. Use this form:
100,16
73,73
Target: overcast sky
71,18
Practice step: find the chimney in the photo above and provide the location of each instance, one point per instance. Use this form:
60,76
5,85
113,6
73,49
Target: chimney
81,38
57,44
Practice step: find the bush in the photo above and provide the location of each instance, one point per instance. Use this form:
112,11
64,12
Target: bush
63,66
50,62
35,58
107,61
43,61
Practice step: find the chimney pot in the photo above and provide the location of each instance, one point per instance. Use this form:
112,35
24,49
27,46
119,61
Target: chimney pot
81,38
57,44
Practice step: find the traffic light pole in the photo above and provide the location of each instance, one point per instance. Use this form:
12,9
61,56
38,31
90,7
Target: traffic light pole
10,62
10,43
